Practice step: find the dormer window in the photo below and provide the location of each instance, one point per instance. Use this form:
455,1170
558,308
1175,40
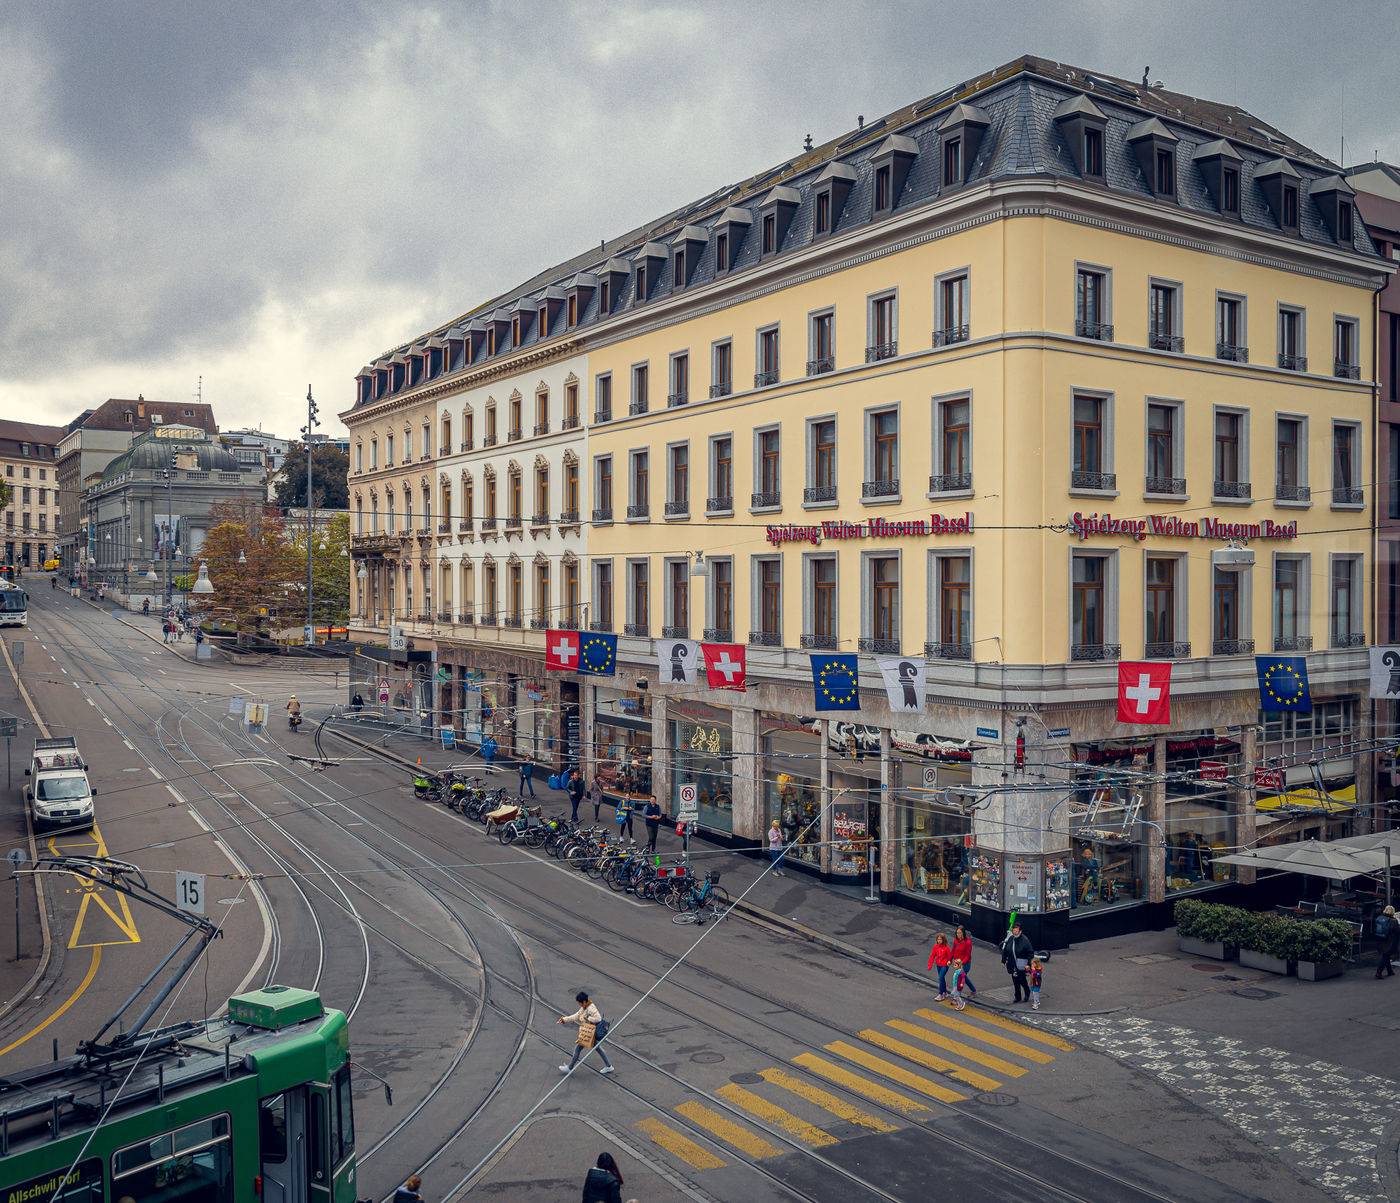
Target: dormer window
1333,197
1278,181
571,311
544,321
641,282
1219,164
605,298
830,190
770,233
1155,147
649,264
678,267
515,332
891,163
1165,182
962,132
882,188
491,340
686,249
1289,220
1093,152
1230,191
1344,231
822,222
721,253
952,161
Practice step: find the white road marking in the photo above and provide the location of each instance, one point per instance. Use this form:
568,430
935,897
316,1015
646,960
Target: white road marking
154,772
129,744
174,795
106,720
91,703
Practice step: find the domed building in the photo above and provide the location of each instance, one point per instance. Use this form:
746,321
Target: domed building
149,508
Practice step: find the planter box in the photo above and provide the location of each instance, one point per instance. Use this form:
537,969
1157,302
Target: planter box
1213,949
1310,971
1261,960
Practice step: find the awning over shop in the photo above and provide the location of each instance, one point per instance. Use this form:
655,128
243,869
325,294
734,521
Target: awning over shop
1340,801
1315,858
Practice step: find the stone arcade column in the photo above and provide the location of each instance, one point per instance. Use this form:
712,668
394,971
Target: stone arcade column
745,775
890,852
1242,800
1366,762
824,726
1012,827
1156,801
663,755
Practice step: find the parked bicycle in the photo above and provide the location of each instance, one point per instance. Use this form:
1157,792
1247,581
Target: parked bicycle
702,901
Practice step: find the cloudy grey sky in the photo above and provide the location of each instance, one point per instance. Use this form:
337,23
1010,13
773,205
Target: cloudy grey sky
269,195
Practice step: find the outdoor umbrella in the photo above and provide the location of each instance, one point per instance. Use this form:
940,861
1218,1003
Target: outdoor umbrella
1313,857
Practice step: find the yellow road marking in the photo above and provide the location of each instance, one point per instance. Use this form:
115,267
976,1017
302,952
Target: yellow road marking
1001,1042
894,1072
938,1040
808,1134
917,1055
859,1085
682,1146
727,1130
985,1016
92,893
72,998
827,1101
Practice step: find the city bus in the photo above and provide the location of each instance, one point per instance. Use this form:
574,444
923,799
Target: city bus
14,605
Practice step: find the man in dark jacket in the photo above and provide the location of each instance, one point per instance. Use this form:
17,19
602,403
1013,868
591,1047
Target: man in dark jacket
575,791
652,815
1016,953
527,775
604,1181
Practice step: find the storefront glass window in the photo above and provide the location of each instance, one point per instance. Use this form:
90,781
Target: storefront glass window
622,742
934,830
703,741
790,784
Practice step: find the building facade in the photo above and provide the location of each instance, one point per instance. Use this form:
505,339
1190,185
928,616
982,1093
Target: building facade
33,517
1043,374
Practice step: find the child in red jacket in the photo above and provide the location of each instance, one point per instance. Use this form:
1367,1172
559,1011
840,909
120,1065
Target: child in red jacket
942,957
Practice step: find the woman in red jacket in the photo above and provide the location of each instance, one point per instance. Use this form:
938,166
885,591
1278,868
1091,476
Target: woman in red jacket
962,951
942,957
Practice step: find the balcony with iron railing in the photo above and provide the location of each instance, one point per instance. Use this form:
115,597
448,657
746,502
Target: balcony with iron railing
675,632
638,510
541,427
465,617
719,505
1293,643
515,434
676,399
445,616
603,415
539,623
539,519
879,645
1342,495
1099,331
718,634
602,513
1293,363
950,335
489,441
1171,650
637,407
823,643
878,351
818,367
488,619
721,389
1159,340
570,422
948,651
1095,651
950,482
1165,486
424,531
466,445
765,501
640,629
1346,371
678,509
765,639
568,517
513,522
1348,639
488,525
424,618
602,626
1232,647
880,488
1232,352
765,378
1283,492
445,527
464,527
1238,490
512,621
1098,482
818,494
569,622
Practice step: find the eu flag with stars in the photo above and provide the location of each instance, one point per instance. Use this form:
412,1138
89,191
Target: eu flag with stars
598,655
1283,683
836,682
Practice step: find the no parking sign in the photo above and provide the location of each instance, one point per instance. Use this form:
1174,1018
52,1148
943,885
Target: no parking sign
689,808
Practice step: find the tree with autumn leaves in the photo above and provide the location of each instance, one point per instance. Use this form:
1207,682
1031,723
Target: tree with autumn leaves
258,569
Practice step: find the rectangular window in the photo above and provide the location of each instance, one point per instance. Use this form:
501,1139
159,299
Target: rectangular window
678,268
1344,231
603,595
1290,438
1163,317
1091,304
678,598
884,453
884,604
491,432
721,253
1228,457
1287,573
770,233
884,178
488,600
570,491
542,412
1290,207
602,393
603,486
359,457
1290,340
604,297
1161,447
769,475
570,406
1225,608
1346,349
1165,175
822,222
824,601
640,485
767,370
1230,190
680,379
638,596
571,311
770,599
722,369
1230,342
1093,152
952,161
952,315
542,495
1087,602
1088,434
571,599
823,474
542,608
821,357
1161,605
721,600
1343,617
721,474
955,601
884,338
639,388
1344,490
678,483
389,450
373,454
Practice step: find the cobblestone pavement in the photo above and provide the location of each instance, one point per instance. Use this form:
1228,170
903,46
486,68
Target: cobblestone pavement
1327,1121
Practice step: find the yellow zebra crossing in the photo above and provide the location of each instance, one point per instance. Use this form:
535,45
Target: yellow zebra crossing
893,1070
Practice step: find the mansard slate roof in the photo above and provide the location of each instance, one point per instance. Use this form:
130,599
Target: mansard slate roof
1020,102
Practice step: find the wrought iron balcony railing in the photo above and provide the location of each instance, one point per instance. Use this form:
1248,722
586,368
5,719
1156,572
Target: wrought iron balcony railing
1292,493
950,335
602,513
1164,342
765,378
816,367
1095,651
719,505
1348,639
880,488
636,628
1346,371
765,639
825,643
1293,643
765,501
948,651
718,634
1293,363
1347,496
950,482
878,351
1102,331
1232,488
871,643
676,399
638,511
1167,485
818,493
677,509
1232,351
1100,481
1232,647
637,407
675,632
721,389
1171,650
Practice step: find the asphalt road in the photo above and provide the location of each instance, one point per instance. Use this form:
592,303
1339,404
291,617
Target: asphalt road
750,1067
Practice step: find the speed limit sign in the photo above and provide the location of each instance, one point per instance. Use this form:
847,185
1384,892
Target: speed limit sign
689,808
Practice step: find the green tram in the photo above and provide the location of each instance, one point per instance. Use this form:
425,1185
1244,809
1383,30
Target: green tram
253,1107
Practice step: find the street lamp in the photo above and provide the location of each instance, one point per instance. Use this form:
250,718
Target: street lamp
362,576
203,585
311,423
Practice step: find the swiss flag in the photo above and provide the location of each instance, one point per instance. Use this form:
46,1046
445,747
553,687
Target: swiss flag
724,665
1144,692
561,651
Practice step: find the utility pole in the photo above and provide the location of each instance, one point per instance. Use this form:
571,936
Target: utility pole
311,422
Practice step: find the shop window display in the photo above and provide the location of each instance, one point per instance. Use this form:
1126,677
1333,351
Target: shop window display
796,804
933,842
790,783
622,744
702,739
853,851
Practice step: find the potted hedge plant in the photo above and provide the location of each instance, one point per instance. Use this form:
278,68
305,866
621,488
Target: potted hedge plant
1207,929
1266,942
1322,949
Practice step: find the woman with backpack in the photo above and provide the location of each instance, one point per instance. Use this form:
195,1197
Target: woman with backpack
587,1013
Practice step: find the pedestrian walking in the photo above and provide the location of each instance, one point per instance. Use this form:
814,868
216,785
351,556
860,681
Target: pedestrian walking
595,795
775,847
1037,974
575,792
592,1027
488,752
527,777
1388,930
166,629
652,815
604,1181
622,815
1016,953
409,1191
146,608
962,951
941,957
958,984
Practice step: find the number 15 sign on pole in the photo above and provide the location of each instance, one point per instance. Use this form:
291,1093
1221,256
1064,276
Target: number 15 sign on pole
189,891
